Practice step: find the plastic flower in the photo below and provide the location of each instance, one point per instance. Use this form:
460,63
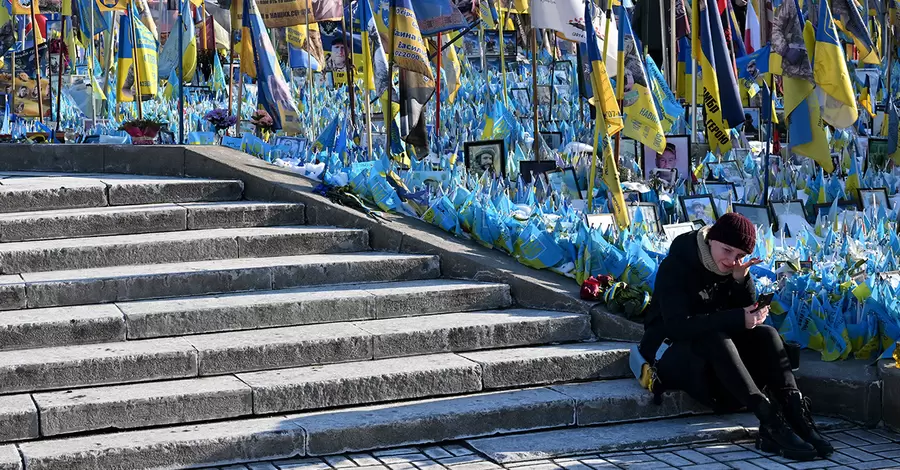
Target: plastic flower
262,120
220,119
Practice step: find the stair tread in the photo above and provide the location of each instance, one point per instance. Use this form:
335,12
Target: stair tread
97,396
88,211
215,265
186,235
463,319
243,299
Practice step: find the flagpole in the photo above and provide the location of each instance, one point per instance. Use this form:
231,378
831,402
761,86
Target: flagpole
203,14
37,65
136,65
231,69
59,78
109,49
91,71
437,89
771,108
180,24
597,109
501,28
350,66
534,95
387,111
665,47
367,66
484,69
309,80
673,43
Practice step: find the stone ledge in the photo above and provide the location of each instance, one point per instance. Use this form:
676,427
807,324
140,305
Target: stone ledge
890,376
849,389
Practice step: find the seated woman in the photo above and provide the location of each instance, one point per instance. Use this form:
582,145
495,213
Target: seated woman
704,335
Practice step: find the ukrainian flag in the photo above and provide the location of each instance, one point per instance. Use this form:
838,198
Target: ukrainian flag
642,121
609,122
145,66
830,73
848,19
604,96
717,132
801,105
865,98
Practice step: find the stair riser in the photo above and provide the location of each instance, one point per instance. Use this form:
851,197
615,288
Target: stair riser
208,217
68,332
90,291
481,337
230,313
168,218
218,398
182,251
340,391
126,194
27,199
18,419
62,373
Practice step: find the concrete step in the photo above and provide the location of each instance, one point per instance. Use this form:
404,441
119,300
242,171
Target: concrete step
147,218
172,247
25,192
87,324
327,432
210,314
223,353
40,193
60,326
244,351
113,284
306,388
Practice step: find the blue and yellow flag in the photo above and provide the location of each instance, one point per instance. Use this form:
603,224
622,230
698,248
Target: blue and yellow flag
438,16
848,19
375,67
865,98
274,95
830,74
168,57
801,105
642,122
604,96
717,131
407,47
298,56
144,47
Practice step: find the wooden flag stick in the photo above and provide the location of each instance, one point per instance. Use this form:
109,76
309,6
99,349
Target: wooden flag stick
37,65
136,65
534,96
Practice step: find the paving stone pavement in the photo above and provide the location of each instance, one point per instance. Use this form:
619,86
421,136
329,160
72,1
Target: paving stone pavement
857,449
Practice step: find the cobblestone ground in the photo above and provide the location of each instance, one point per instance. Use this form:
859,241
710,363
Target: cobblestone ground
856,449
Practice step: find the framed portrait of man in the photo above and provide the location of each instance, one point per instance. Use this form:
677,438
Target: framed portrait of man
485,155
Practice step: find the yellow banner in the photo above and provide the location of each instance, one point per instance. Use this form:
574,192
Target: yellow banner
23,7
112,5
409,48
24,93
284,13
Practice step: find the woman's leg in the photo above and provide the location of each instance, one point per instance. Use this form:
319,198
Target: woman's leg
766,358
763,353
728,366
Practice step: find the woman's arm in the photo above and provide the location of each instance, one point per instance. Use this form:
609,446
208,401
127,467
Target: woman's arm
674,301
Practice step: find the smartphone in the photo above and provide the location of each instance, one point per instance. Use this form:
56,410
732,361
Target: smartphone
764,300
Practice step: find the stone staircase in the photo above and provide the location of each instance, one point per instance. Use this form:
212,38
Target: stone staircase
154,322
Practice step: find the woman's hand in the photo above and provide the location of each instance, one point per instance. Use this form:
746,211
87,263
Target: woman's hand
742,269
754,317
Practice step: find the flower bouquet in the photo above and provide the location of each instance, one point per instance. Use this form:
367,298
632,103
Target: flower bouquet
263,122
142,131
221,120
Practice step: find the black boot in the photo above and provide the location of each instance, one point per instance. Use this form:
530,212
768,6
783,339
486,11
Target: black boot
777,437
796,411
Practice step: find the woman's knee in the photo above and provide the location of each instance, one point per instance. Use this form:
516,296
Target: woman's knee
714,345
767,334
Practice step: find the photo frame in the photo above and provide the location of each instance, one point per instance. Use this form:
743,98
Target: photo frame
561,72
528,168
790,213
698,224
522,99
631,149
700,207
877,154
294,146
491,44
544,95
600,221
485,155
565,181
843,205
869,197
649,212
729,170
677,155
553,139
632,196
716,188
758,214
752,123
672,231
